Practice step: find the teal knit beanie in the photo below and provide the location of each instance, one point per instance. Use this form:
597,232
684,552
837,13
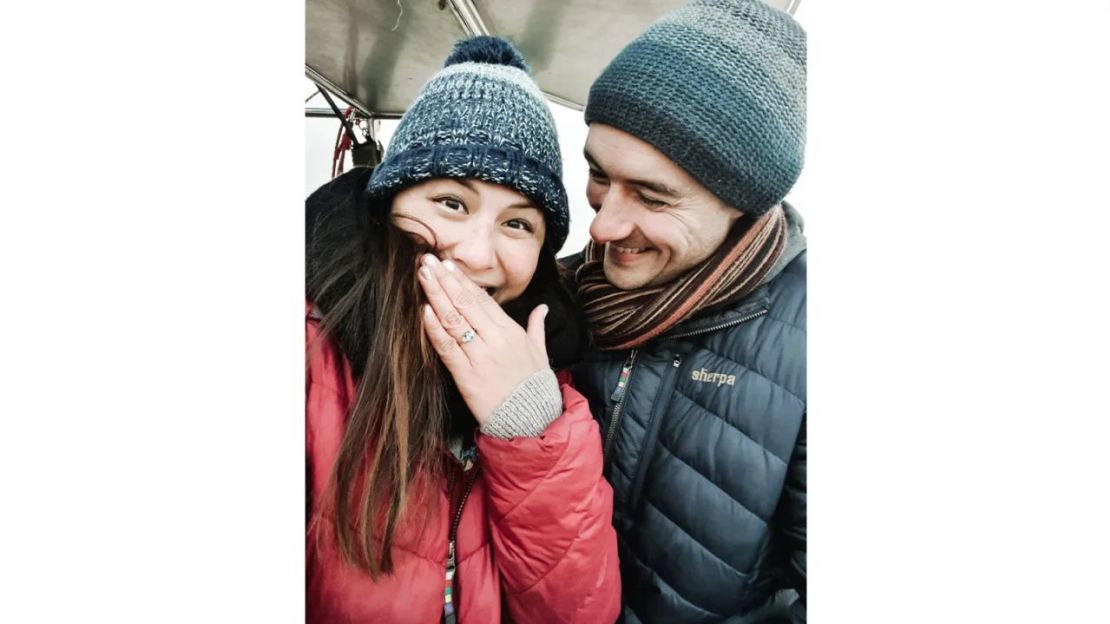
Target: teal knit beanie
482,116
719,87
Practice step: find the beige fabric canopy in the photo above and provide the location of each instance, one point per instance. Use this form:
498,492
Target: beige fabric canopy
376,54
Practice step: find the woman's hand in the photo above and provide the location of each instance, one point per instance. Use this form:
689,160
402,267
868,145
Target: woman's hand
498,355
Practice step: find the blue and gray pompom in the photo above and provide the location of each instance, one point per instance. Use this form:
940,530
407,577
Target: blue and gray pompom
486,49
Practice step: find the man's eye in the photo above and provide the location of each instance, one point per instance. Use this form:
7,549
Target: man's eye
520,224
651,203
452,203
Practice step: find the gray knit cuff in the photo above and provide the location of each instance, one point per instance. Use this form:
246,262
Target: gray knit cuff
533,405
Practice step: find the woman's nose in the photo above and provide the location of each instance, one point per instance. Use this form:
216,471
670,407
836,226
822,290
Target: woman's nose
471,247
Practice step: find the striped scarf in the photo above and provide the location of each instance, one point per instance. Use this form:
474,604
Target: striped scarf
622,319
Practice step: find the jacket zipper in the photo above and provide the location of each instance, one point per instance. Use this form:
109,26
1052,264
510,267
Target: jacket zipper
661,401
618,396
718,327
449,614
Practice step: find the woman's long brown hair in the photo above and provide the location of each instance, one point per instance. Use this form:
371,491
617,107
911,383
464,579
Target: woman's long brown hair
395,427
365,285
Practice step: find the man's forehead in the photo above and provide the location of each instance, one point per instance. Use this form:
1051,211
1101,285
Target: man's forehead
622,155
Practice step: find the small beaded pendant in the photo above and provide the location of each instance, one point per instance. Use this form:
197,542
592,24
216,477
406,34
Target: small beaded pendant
448,598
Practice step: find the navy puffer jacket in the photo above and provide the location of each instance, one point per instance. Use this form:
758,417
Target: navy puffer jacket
705,448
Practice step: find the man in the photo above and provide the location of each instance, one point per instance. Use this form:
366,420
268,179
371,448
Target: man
694,290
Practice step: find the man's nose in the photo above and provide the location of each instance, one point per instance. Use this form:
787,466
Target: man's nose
612,221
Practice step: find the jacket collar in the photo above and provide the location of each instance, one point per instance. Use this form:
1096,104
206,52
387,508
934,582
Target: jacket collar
756,303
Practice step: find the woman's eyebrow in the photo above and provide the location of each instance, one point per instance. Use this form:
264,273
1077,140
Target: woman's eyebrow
443,183
468,184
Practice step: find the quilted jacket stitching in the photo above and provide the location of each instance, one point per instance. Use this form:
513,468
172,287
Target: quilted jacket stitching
726,422
714,484
785,322
695,540
670,588
554,465
618,468
577,535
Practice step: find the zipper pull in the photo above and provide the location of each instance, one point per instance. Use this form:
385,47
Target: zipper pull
622,381
677,361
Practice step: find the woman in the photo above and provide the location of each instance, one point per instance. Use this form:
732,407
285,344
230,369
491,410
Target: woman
452,474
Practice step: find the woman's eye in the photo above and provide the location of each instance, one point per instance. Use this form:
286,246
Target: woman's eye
520,224
452,204
598,177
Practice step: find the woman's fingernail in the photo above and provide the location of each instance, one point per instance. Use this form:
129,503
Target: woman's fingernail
425,272
427,311
545,311
450,265
428,260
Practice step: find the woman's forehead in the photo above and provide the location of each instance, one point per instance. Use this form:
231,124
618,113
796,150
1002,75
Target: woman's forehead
497,195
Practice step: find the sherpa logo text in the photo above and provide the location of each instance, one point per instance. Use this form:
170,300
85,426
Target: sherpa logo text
717,378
